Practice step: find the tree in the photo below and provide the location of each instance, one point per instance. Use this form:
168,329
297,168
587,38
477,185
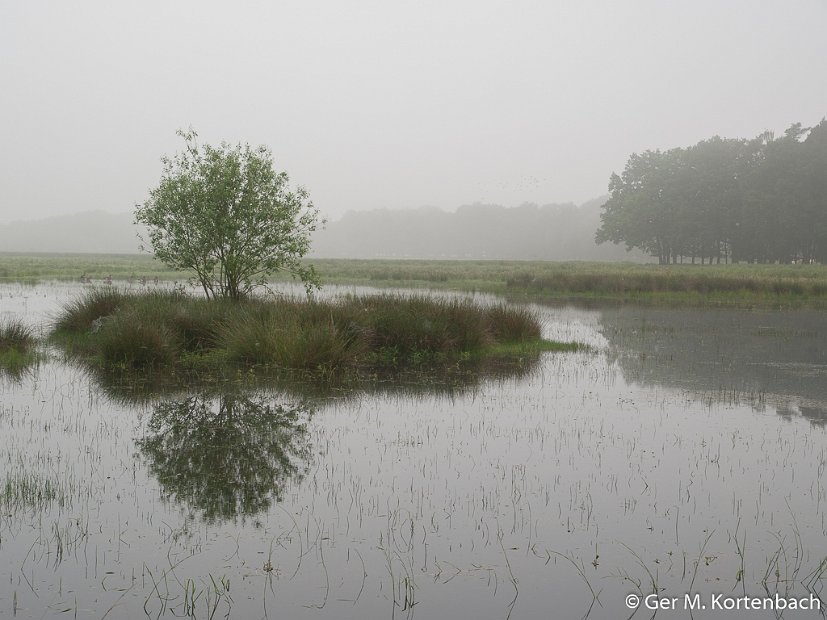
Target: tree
226,214
644,203
759,200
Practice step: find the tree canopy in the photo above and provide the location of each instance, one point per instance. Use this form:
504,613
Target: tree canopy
227,215
759,200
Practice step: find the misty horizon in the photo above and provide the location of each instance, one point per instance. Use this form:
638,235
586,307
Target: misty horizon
386,106
554,231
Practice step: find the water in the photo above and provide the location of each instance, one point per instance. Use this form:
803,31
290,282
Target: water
684,454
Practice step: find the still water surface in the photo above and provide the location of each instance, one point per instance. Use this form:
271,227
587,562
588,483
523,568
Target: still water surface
685,453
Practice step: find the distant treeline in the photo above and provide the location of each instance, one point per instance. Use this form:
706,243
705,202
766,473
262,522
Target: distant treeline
762,200
477,231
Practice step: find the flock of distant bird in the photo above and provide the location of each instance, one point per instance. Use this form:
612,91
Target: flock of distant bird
108,280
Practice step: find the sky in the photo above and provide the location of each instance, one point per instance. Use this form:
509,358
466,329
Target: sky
390,104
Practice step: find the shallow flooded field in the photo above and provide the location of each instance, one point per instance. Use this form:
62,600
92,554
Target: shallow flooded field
684,454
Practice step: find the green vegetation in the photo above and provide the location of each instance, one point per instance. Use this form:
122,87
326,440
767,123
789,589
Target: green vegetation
226,215
16,346
737,285
725,200
38,267
171,330
744,285
26,490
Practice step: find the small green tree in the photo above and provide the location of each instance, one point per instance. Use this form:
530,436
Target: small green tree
227,215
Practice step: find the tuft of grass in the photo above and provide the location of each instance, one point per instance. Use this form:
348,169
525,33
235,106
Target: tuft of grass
85,313
198,325
265,336
538,346
421,325
509,324
17,343
133,340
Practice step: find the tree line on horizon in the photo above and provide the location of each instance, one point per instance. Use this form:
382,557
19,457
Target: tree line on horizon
759,200
561,232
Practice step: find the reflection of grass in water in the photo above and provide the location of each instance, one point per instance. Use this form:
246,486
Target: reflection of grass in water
14,335
15,364
17,352
443,379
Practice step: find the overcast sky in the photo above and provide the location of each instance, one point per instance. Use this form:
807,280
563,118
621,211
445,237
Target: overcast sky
390,104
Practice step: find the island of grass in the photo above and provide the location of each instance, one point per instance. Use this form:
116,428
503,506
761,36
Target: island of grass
17,344
171,330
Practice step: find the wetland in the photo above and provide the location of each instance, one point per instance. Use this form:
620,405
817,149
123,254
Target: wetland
682,451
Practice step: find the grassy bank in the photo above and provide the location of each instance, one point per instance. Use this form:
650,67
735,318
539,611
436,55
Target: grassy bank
737,285
171,330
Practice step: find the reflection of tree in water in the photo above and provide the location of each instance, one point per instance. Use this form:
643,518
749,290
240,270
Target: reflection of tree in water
762,358
231,455
817,415
226,456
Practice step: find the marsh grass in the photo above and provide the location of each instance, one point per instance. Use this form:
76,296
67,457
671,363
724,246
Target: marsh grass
135,341
698,285
746,281
739,284
18,267
32,491
80,315
265,336
170,330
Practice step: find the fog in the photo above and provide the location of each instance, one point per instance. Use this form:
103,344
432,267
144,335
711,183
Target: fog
476,231
378,105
